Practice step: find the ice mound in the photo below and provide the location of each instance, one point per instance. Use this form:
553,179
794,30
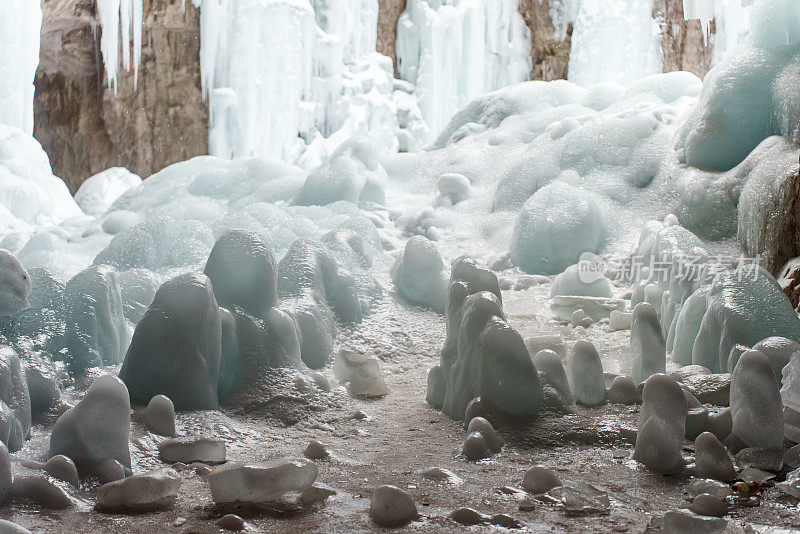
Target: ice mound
260,483
419,276
353,174
570,282
555,226
97,428
243,271
43,380
742,309
483,355
44,319
648,351
712,459
15,285
96,333
756,405
176,347
585,372
146,492
30,195
361,373
313,287
138,287
15,401
98,192
548,363
160,416
661,425
779,350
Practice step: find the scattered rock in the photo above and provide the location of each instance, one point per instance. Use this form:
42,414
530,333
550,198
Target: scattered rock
647,348
689,370
259,483
504,521
661,425
548,362
475,447
540,479
710,389
361,373
698,486
392,507
316,493
619,320
231,522
623,391
440,474
109,470
552,342
103,412
791,486
41,490
685,521
756,407
581,499
712,460
316,451
468,516
490,435
189,449
62,468
764,459
705,504
160,416
155,490
585,372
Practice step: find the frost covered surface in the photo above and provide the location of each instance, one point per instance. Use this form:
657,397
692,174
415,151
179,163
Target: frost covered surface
20,26
98,192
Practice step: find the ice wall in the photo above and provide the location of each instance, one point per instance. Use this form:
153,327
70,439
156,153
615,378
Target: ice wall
731,23
20,26
120,20
456,50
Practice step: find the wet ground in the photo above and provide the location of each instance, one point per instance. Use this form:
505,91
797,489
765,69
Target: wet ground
402,435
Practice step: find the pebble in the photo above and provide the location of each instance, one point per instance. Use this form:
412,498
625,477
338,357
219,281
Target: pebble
316,451
540,479
712,459
231,522
468,516
316,493
392,507
490,435
475,447
160,416
705,504
62,468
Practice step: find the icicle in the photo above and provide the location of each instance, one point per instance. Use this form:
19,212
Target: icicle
119,19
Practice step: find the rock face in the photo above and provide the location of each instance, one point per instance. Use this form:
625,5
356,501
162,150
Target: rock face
661,425
85,126
681,40
549,50
389,12
756,405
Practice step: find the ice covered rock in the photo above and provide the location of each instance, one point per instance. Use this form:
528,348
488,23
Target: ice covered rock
575,282
243,272
742,309
759,458
190,449
699,486
756,406
661,425
475,447
581,498
160,416
779,350
539,479
585,372
392,507
311,280
147,492
648,350
708,505
353,173
231,522
598,308
316,451
5,473
440,474
683,521
712,460
41,490
259,483
15,284
96,333
418,274
452,188
790,396
696,416
555,226
315,493
44,319
43,382
535,344
15,401
619,320
710,388
110,470
62,468
482,425
720,423
549,363
98,192
176,347
361,373
97,428
623,391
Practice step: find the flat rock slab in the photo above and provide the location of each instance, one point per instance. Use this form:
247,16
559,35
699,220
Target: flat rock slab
683,521
261,483
190,449
155,490
581,499
41,490
710,389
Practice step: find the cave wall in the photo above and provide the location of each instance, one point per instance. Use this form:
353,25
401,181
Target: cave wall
85,126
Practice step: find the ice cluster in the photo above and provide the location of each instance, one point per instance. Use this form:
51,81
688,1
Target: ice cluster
20,28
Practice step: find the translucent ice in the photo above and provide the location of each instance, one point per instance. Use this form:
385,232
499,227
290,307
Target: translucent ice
15,284
15,422
20,29
419,274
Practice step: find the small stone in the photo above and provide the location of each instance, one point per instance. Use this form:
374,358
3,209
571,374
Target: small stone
62,468
482,425
710,389
619,320
475,447
475,408
201,469
504,521
684,521
188,449
770,459
392,507
109,471
259,483
720,423
155,490
705,504
316,493
179,521
41,490
527,505
698,486
577,317
439,474
686,371
316,451
581,499
622,391
231,522
160,416
540,479
468,516
712,460
321,381
360,415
